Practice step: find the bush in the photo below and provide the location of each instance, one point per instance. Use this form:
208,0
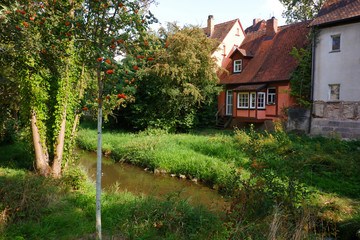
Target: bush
264,206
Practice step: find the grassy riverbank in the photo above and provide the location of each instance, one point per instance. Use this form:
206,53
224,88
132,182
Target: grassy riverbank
34,207
211,159
316,176
285,187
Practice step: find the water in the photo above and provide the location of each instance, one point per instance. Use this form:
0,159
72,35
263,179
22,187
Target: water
134,179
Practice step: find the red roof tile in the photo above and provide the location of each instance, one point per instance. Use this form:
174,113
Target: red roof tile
221,30
258,26
271,61
334,11
243,52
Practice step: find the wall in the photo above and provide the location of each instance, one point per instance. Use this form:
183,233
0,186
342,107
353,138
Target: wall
336,119
340,117
298,119
230,40
338,67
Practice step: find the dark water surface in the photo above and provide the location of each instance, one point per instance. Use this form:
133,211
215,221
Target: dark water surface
134,179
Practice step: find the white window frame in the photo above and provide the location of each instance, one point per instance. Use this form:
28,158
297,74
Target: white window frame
272,96
332,40
329,94
252,99
237,66
261,100
243,104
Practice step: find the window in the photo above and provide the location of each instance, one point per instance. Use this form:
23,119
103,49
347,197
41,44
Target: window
243,100
237,32
224,54
334,92
335,45
237,65
229,102
252,100
271,96
261,100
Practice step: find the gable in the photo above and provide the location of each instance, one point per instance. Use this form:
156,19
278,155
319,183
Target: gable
221,30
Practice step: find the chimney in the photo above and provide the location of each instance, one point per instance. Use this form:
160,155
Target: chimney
271,27
210,25
256,20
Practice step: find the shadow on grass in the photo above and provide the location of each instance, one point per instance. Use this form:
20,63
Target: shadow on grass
16,156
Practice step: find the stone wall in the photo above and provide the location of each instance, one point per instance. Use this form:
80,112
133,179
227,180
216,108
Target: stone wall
298,119
336,119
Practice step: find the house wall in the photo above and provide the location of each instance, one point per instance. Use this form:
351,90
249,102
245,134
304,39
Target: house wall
231,39
337,117
271,112
338,67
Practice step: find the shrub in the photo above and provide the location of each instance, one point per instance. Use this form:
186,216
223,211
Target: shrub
264,206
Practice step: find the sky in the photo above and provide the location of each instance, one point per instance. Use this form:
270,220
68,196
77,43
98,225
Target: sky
196,12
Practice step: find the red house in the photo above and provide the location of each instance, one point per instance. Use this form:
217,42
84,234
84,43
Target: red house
256,84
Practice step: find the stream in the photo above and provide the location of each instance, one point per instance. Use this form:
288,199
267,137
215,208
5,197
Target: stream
127,177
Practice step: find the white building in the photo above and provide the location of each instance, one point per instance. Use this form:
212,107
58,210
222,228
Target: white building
336,70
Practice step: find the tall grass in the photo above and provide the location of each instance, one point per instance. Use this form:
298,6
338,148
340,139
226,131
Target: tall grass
33,207
321,174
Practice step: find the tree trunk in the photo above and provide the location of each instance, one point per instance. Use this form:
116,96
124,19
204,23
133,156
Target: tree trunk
56,167
41,155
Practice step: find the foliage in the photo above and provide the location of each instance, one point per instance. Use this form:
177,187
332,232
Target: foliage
267,207
301,10
53,51
179,85
325,167
300,79
45,83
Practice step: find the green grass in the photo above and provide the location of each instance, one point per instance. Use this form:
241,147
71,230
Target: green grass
209,158
325,171
16,156
34,207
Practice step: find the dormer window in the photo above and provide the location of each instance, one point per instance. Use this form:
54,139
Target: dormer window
237,66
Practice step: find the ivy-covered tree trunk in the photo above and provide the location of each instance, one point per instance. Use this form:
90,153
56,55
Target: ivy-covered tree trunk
41,154
56,167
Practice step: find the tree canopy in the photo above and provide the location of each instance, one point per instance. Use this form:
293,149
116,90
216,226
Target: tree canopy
301,10
59,59
178,83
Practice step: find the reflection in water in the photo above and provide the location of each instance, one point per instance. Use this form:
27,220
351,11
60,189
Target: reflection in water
136,180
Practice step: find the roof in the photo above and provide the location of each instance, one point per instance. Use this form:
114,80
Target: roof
221,30
335,11
271,58
243,52
253,87
258,26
